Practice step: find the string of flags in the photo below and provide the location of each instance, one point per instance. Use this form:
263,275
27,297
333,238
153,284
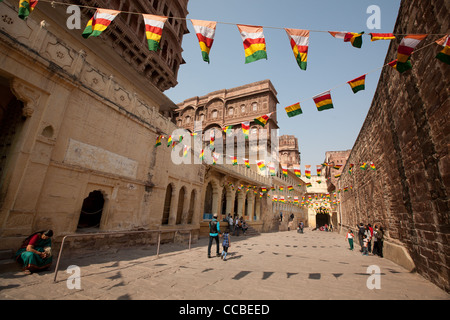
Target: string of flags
173,141
403,63
255,44
252,36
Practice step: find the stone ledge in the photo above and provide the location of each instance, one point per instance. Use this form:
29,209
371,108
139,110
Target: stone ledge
399,255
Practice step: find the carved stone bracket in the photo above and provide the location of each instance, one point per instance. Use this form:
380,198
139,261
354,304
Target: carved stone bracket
29,95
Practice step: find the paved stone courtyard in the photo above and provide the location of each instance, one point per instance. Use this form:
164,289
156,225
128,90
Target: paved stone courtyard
272,266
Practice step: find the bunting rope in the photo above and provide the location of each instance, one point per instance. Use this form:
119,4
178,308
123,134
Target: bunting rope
378,68
219,22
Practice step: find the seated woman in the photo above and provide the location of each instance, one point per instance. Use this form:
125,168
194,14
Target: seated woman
35,252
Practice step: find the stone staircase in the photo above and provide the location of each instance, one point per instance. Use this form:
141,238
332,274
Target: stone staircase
251,232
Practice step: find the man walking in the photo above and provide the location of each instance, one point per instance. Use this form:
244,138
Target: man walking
214,230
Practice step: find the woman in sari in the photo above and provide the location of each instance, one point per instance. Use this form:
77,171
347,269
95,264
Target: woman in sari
35,252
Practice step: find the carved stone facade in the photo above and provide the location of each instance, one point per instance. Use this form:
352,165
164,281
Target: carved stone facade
79,126
288,150
127,37
231,107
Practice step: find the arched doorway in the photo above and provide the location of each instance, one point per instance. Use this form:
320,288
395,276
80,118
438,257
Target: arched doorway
207,208
192,206
91,211
322,217
180,205
223,206
167,204
11,123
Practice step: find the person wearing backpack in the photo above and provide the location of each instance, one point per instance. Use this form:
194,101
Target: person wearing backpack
214,230
378,241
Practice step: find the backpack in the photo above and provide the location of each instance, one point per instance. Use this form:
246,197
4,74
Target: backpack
213,226
379,235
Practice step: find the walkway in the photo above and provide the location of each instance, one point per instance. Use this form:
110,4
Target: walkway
283,265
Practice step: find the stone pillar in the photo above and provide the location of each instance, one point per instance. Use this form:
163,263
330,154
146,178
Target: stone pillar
250,207
173,207
230,201
241,203
258,207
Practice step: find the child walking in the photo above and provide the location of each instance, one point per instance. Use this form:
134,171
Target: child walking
225,244
350,237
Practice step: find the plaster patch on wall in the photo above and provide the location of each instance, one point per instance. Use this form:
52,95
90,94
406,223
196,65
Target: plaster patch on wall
91,157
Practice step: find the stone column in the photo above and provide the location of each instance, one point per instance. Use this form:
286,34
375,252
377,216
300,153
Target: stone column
241,202
173,206
258,207
250,207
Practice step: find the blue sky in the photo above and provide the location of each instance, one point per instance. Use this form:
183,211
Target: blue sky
331,63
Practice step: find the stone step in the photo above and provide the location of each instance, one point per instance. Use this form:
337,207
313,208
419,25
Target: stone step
6,254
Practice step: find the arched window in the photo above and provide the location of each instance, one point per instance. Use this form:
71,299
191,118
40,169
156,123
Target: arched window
214,114
180,205
230,111
167,203
191,207
208,199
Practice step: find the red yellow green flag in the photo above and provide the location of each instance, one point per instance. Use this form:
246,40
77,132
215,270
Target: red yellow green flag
444,55
185,150
308,171
323,101
405,66
357,84
228,129
319,170
290,188
153,30
263,119
297,171
299,40
158,140
205,31
254,42
372,166
99,22
202,154
26,7
354,38
261,165
245,128
381,36
272,169
406,48
284,170
234,161
293,110
364,166
169,141
247,163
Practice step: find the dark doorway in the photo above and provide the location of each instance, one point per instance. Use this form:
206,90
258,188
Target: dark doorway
91,212
167,205
322,219
11,123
